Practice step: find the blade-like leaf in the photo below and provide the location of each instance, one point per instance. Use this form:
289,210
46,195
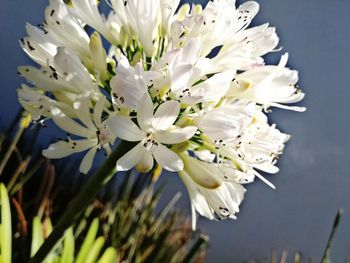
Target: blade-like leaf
6,230
95,250
327,251
88,242
109,256
37,236
68,247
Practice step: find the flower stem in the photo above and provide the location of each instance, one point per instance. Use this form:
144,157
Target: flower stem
10,150
78,205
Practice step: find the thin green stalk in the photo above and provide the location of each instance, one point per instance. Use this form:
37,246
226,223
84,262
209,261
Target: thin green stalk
327,252
11,149
20,170
78,205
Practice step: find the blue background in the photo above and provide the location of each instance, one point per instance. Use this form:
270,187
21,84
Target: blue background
314,180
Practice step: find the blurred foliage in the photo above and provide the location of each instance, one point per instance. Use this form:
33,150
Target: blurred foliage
121,227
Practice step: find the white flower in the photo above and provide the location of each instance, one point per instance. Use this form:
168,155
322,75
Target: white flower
142,18
61,25
269,86
245,50
39,46
39,105
184,76
64,73
218,22
167,11
225,123
155,130
130,83
87,11
211,194
261,144
188,88
95,132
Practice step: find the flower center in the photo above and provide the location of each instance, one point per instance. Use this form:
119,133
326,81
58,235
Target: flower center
149,142
104,136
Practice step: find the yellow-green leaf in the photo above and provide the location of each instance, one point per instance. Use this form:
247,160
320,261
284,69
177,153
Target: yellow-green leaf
88,242
68,247
37,237
6,231
95,250
109,256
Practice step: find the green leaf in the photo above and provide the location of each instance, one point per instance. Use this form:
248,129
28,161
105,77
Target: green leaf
109,256
68,247
326,258
88,242
95,250
5,229
38,236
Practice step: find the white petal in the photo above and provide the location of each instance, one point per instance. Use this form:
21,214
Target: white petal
267,168
190,53
41,79
262,178
82,109
58,150
180,77
127,85
176,136
205,156
146,163
197,95
124,128
198,201
87,11
167,158
98,110
145,112
83,145
166,115
249,9
143,17
68,64
37,47
203,67
294,108
216,86
131,158
204,174
71,126
194,217
86,163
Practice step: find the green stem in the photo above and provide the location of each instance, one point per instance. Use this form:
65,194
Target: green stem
78,205
327,253
11,149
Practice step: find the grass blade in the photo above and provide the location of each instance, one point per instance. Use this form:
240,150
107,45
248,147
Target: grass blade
88,242
68,247
6,228
109,256
38,236
95,250
327,252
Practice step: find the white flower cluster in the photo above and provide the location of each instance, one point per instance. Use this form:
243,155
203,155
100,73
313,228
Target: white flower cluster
190,87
